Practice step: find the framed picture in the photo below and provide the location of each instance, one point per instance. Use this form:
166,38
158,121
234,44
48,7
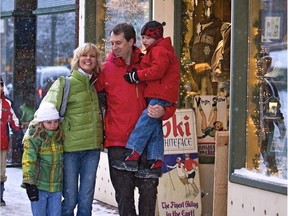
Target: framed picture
273,27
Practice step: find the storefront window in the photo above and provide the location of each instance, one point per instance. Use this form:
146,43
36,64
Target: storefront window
55,39
266,126
136,12
7,6
7,53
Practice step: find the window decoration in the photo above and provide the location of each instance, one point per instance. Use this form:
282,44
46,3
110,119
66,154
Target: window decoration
192,11
269,97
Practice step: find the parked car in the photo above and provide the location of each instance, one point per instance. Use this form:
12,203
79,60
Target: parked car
45,76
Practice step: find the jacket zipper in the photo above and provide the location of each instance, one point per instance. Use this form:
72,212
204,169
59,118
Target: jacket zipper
137,91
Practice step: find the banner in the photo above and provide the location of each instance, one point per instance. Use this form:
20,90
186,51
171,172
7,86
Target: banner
179,190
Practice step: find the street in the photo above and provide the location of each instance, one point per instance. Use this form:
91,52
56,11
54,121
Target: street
17,202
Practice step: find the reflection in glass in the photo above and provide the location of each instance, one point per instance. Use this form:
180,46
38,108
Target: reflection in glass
135,12
7,54
54,48
55,39
267,90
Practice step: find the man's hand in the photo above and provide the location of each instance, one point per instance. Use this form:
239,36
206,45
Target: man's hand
156,111
132,77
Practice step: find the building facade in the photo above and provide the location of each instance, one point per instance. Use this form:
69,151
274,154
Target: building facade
230,49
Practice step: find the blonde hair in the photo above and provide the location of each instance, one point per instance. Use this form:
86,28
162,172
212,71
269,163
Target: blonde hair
82,50
40,133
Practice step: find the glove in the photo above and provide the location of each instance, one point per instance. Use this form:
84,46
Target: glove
32,192
132,77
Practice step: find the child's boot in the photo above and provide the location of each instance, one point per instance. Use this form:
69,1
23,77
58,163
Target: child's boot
153,169
130,162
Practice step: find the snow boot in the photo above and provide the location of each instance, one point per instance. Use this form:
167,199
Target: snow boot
153,169
129,162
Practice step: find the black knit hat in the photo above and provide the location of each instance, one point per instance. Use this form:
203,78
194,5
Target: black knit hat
153,29
1,82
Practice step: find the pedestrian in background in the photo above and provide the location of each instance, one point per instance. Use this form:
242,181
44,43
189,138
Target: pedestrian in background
8,119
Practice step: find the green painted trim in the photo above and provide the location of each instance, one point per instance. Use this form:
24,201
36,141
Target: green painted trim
90,21
177,28
6,14
238,98
259,185
59,9
150,9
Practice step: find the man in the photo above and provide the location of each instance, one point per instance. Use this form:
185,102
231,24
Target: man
125,103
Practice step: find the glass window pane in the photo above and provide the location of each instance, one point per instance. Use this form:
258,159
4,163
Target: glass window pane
54,48
53,3
131,11
267,91
7,5
55,39
7,54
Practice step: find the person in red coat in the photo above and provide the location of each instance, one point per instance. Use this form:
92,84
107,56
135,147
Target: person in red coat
124,105
8,118
191,166
160,71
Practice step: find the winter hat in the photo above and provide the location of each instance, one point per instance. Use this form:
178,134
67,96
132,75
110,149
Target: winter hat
46,111
153,29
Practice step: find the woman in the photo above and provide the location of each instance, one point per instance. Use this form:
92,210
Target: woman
83,129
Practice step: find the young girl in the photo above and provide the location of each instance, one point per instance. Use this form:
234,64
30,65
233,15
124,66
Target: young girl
42,162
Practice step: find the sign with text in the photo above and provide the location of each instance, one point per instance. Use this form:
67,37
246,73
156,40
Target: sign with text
211,116
179,190
179,132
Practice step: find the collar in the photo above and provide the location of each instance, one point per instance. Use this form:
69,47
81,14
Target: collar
83,72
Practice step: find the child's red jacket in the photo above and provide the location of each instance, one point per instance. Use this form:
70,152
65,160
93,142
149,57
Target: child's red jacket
160,68
8,118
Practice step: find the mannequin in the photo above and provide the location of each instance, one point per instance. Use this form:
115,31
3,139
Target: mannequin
203,45
270,117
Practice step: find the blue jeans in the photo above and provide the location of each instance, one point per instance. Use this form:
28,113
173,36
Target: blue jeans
148,132
81,164
49,204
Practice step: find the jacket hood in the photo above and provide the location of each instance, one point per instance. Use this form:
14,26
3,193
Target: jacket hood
163,42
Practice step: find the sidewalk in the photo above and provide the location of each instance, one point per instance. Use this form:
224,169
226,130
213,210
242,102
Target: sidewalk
17,202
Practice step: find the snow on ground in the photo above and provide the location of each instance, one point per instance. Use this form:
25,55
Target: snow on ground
17,202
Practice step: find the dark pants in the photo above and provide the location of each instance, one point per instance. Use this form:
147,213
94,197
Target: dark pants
124,183
2,189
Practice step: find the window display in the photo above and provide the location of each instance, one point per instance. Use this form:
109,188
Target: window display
267,91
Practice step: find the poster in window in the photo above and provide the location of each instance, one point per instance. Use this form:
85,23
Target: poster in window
273,27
